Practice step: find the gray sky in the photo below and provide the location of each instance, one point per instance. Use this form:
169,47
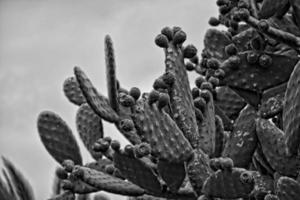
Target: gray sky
42,40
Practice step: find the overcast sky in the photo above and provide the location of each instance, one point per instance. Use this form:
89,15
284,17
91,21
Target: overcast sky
42,40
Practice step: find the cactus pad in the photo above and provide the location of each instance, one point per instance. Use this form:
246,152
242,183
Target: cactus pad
243,140
198,170
159,129
172,173
215,42
57,137
89,127
207,127
97,102
230,103
256,78
287,189
73,92
291,112
109,183
111,74
271,139
181,100
270,7
137,172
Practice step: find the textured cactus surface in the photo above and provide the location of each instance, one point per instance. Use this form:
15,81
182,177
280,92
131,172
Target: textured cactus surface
232,133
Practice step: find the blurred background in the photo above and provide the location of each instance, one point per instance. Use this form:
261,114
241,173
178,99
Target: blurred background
42,40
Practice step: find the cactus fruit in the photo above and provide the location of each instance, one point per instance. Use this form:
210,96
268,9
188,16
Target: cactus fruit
235,134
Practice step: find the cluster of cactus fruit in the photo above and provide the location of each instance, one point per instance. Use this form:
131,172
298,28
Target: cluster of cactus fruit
235,135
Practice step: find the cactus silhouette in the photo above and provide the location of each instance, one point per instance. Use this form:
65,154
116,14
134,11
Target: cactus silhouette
232,133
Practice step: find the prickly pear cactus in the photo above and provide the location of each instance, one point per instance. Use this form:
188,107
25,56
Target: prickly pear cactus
233,133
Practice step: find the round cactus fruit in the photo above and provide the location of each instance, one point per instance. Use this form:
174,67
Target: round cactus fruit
110,169
206,95
246,177
179,37
231,50
159,84
67,185
199,80
234,62
236,16
215,164
195,60
108,139
101,145
153,97
244,14
190,51
252,57
168,78
61,173
142,150
68,165
163,100
219,73
224,9
263,25
213,21
207,86
168,32
129,150
213,63
176,29
214,81
221,2
161,41
126,125
227,163
243,4
195,92
256,43
200,103
115,145
265,61
77,172
189,66
126,100
135,93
